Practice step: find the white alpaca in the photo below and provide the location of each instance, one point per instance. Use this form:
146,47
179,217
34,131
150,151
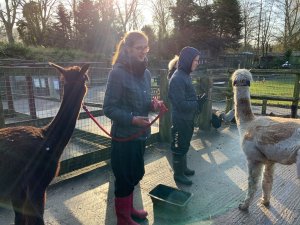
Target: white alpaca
264,140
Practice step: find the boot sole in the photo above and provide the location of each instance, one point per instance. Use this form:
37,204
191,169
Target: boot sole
188,183
189,174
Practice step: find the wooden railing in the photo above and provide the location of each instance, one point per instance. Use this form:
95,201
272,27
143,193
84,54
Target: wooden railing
294,99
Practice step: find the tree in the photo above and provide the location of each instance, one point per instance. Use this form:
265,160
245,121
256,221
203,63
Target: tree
8,17
126,13
266,24
204,36
161,19
183,13
87,26
208,26
151,39
36,21
62,29
29,28
291,32
107,18
228,23
161,16
249,21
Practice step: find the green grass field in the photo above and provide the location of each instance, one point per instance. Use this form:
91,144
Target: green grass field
282,88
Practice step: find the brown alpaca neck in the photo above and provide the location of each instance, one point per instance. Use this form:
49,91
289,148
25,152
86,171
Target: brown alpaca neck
59,131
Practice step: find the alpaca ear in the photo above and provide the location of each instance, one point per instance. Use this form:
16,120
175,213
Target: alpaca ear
84,68
59,68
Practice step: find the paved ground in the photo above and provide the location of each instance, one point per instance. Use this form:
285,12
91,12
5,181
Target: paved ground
86,197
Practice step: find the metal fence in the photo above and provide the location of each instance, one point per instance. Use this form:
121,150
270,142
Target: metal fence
32,96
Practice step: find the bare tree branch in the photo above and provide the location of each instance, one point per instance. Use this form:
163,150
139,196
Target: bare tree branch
8,17
126,13
162,15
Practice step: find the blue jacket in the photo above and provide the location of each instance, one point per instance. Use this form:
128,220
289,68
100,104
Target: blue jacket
127,95
182,94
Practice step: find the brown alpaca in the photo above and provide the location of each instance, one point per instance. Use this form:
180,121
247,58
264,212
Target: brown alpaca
30,155
264,140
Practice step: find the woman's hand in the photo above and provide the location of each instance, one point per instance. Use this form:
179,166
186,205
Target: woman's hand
140,121
158,105
201,100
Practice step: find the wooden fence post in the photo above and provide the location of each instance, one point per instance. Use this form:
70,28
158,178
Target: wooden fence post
2,118
2,121
264,107
294,107
204,118
31,100
229,94
10,101
165,120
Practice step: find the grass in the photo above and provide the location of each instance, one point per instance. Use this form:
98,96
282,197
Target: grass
282,88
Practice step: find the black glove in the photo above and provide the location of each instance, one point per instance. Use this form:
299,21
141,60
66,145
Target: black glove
201,100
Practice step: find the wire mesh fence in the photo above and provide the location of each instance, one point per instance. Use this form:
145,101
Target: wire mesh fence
32,96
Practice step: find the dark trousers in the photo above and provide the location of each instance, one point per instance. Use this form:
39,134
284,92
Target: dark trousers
127,161
182,133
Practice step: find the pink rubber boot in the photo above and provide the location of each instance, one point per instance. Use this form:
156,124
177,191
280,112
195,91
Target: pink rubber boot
123,211
140,214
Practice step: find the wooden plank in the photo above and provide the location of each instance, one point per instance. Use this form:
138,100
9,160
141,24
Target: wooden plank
91,158
36,122
92,104
85,160
264,107
271,71
268,97
44,121
294,107
2,121
165,120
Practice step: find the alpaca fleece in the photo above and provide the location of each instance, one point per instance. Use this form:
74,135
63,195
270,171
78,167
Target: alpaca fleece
264,140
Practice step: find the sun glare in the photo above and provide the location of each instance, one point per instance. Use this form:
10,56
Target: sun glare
144,10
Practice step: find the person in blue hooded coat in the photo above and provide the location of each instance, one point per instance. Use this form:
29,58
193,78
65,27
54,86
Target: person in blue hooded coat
185,105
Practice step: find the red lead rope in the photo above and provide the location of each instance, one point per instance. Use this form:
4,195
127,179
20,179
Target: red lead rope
161,112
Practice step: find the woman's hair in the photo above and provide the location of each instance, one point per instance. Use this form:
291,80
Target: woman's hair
173,62
128,40
172,66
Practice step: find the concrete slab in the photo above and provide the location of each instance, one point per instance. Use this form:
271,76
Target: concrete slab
86,197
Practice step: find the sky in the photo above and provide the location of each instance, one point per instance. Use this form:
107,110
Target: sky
147,14
144,3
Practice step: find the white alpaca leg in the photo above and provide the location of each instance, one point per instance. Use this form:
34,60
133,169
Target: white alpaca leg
254,170
267,183
298,164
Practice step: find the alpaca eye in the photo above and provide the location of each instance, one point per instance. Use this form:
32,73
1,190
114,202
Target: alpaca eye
86,78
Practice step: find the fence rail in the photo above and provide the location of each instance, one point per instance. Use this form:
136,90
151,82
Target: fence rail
274,89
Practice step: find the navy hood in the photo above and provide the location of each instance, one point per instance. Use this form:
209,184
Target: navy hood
186,58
